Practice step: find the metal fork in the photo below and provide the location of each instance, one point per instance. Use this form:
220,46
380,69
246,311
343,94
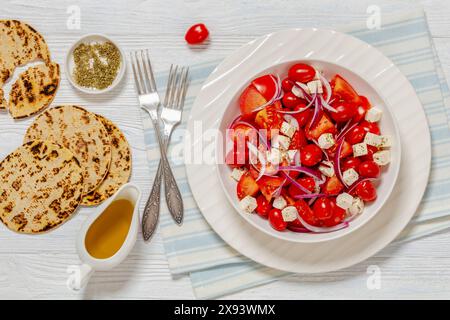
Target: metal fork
170,116
149,101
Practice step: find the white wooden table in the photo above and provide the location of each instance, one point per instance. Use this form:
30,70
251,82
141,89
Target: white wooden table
35,266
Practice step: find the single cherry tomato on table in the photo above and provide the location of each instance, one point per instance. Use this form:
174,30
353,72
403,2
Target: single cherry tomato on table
350,163
276,220
366,191
323,208
301,72
369,169
290,100
286,85
263,207
196,34
310,155
355,135
344,111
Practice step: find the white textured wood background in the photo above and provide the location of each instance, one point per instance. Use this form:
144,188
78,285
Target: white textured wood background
34,267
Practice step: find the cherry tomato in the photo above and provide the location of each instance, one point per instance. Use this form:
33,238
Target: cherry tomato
370,127
306,212
303,117
269,119
369,169
286,85
263,207
296,224
332,186
237,157
290,100
301,72
370,151
246,186
298,140
350,163
337,217
268,185
343,89
276,220
196,34
250,100
323,208
344,111
361,109
307,182
310,155
355,135
266,85
366,191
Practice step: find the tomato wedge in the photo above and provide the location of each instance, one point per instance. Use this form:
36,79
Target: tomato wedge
268,185
344,90
250,100
266,86
246,186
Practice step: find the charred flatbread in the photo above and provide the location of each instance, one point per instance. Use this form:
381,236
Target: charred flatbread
41,185
82,133
120,169
34,90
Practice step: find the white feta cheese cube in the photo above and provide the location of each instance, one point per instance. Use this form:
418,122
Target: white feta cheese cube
283,142
372,139
373,114
357,206
386,141
274,156
315,86
237,173
290,155
382,158
279,203
326,141
326,168
359,149
289,214
287,129
248,204
344,200
350,176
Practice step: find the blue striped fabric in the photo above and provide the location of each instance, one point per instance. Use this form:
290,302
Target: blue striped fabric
216,269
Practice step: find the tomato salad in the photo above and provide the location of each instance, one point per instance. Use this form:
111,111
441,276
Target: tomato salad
306,152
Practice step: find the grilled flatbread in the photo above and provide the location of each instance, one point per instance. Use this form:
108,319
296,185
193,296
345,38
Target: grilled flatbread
82,133
19,44
41,185
120,169
34,90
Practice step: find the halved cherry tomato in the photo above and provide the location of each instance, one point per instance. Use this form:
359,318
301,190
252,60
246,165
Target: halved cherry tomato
306,212
370,127
350,163
301,72
269,119
196,34
369,169
298,140
276,220
250,100
246,186
332,186
263,207
355,135
286,85
344,90
303,117
366,191
324,125
290,100
337,217
310,155
323,208
306,182
268,185
344,111
345,151
266,85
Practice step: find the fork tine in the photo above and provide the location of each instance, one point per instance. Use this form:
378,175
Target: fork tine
136,81
183,90
140,73
169,86
172,87
179,88
150,71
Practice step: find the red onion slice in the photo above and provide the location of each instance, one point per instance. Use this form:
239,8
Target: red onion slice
298,229
311,195
346,130
325,105
298,185
322,229
355,184
327,86
308,171
262,138
316,112
337,162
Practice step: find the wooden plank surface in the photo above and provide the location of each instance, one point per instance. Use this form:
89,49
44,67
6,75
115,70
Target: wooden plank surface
35,267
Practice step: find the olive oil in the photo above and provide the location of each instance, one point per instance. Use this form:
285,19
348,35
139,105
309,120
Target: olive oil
108,232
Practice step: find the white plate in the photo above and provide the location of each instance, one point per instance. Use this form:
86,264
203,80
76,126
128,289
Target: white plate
363,60
384,186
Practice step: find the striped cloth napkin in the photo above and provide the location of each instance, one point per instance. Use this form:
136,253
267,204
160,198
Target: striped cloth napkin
214,268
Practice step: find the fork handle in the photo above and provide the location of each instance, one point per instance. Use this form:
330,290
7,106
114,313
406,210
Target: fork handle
151,210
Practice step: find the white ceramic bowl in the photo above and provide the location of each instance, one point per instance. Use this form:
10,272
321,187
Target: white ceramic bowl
384,186
93,38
